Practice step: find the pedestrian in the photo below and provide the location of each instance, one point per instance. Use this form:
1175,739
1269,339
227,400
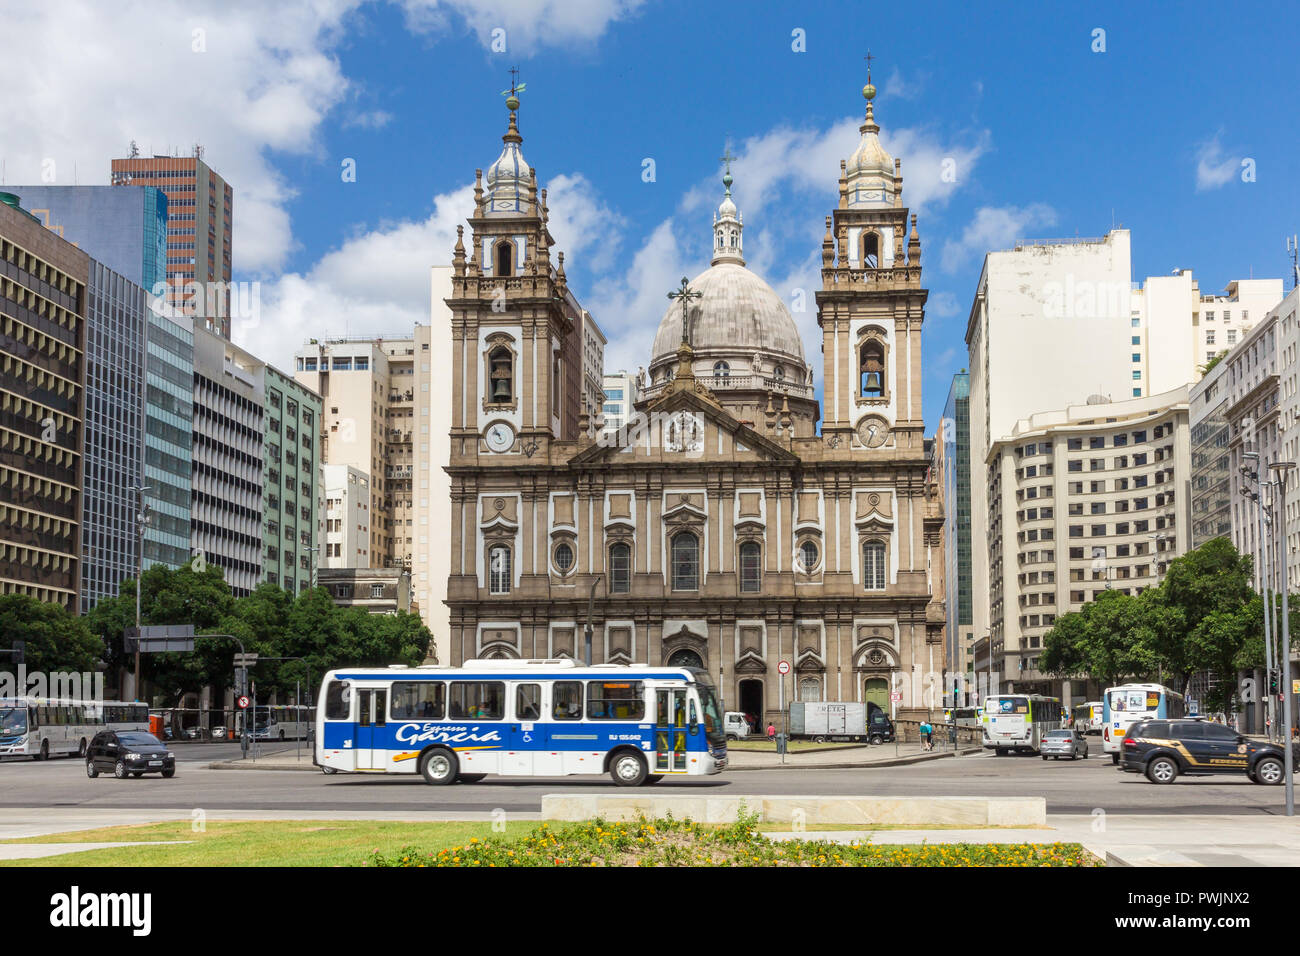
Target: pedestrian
926,732
771,731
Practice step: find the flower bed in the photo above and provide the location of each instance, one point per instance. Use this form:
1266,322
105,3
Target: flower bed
669,842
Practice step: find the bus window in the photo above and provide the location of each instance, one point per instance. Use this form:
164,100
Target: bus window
615,700
338,700
477,700
414,700
566,700
528,702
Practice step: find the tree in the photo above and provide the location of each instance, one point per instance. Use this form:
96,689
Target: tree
55,638
1106,639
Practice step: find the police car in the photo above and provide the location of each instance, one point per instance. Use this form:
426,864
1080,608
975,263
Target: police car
1163,749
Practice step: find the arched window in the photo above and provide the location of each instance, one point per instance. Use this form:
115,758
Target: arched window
779,373
721,370
735,240
505,258
751,572
501,363
557,376
873,565
810,689
499,570
620,568
686,658
686,562
871,369
870,250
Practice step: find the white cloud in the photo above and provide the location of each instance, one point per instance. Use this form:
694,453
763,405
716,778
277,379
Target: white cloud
897,86
83,79
993,228
370,119
942,305
1214,169
525,24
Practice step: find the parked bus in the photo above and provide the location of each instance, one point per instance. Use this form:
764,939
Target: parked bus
521,718
38,727
1128,703
282,721
964,716
1089,718
1016,722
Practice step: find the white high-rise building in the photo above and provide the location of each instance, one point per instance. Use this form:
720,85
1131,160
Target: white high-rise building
347,518
620,394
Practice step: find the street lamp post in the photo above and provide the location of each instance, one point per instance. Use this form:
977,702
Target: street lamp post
1283,469
141,522
1252,472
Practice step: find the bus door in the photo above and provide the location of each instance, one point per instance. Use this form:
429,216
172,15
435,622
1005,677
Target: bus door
372,718
670,730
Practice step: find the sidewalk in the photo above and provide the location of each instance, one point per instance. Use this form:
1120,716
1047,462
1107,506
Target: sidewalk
835,758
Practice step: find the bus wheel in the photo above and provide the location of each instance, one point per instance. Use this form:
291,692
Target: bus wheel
654,778
470,777
329,770
45,751
81,751
628,769
282,735
438,767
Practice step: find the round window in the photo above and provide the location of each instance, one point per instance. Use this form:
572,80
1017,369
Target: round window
808,556
564,557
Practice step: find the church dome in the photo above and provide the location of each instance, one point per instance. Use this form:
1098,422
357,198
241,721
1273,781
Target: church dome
737,313
508,178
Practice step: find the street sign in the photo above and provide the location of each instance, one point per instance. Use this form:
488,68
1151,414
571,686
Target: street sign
896,696
1295,686
783,668
1193,707
245,660
242,702
159,638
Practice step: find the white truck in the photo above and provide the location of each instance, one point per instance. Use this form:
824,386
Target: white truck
839,721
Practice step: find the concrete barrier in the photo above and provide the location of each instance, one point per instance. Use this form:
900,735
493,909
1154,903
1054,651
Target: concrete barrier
906,811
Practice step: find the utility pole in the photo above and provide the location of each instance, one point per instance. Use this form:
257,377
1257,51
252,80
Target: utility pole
1283,469
591,601
141,522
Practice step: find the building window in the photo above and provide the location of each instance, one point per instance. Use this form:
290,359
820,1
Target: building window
871,370
870,250
499,570
501,363
686,561
620,568
751,575
721,370
808,556
810,689
504,259
376,590
564,557
873,565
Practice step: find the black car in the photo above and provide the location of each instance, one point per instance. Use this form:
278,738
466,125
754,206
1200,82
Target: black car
129,753
1163,749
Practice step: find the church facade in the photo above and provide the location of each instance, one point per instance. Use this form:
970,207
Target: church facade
719,528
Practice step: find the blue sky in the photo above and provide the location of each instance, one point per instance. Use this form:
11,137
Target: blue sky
1049,137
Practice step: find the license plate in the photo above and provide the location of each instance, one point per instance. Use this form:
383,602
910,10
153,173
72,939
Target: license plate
155,763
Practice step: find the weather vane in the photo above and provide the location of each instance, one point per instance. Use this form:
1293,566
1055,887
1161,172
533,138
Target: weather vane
512,94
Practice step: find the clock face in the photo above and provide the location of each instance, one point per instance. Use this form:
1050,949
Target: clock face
499,437
873,431
685,433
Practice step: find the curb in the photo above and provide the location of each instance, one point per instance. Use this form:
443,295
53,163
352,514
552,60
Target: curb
254,765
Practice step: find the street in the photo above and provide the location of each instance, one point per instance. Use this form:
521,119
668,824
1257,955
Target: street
1079,787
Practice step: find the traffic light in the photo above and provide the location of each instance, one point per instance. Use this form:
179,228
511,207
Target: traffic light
1272,681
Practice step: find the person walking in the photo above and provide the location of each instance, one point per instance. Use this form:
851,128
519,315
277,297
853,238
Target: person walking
771,731
927,733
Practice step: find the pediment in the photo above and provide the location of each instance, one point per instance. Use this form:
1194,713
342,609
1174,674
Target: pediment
750,663
645,440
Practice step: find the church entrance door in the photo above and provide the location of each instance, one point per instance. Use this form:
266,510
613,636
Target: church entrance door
751,703
876,692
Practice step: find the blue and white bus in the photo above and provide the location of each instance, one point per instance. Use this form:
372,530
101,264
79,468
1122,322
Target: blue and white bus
521,718
1126,704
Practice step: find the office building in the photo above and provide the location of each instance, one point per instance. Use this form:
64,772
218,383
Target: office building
952,447
347,518
44,302
620,396
290,482
200,207
169,435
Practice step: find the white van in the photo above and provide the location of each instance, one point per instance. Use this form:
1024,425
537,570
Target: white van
736,726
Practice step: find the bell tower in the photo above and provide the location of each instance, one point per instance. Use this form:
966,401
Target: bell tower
512,328
871,305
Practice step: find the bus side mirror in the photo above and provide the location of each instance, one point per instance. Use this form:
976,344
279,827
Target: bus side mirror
694,727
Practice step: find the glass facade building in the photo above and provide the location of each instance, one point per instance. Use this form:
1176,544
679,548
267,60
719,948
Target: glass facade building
169,423
114,407
957,519
124,228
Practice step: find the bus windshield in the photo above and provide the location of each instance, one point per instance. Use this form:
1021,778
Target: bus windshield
1008,705
1132,701
712,715
13,721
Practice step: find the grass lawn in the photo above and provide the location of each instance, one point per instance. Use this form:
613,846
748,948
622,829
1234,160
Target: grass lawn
261,843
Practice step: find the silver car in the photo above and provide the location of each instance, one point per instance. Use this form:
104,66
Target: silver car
1064,743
